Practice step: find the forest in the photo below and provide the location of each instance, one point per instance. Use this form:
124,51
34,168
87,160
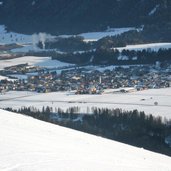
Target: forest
70,17
113,57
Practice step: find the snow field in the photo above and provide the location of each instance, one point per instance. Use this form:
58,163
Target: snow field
33,60
142,101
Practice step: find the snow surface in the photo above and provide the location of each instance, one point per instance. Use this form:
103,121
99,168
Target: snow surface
11,37
3,77
32,60
153,11
29,144
151,46
26,48
141,100
91,68
19,76
94,36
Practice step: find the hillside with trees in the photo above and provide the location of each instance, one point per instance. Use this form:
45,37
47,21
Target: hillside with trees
66,16
107,56
130,127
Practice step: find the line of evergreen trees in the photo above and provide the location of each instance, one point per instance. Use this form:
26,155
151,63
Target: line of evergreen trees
69,45
110,56
130,127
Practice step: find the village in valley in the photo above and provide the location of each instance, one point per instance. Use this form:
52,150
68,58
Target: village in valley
85,80
85,85
31,78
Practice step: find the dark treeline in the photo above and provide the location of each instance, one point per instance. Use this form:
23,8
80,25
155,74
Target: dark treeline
77,43
121,40
110,56
137,36
101,52
70,44
130,127
149,34
79,16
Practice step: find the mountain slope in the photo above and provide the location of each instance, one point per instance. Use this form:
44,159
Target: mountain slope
66,16
29,144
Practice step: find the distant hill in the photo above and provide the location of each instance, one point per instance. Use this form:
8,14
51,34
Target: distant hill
67,16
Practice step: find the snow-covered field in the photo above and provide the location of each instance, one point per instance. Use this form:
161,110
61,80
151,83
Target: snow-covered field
91,68
3,78
29,144
6,78
26,48
140,47
141,100
32,60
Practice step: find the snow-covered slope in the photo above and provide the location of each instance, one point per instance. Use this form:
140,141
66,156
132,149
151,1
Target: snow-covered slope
151,46
28,144
94,36
11,37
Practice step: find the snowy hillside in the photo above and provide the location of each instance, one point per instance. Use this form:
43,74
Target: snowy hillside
152,47
11,37
28,144
78,16
95,36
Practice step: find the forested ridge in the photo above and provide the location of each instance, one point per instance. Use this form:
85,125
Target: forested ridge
68,16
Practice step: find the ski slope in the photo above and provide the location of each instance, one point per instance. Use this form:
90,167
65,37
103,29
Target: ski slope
27,144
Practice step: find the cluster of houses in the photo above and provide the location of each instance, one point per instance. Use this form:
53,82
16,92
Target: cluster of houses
21,69
86,82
